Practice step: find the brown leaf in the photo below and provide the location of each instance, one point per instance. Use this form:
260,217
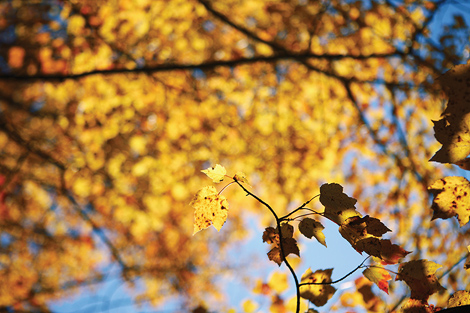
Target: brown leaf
289,244
453,130
420,276
270,235
338,206
355,230
317,294
311,228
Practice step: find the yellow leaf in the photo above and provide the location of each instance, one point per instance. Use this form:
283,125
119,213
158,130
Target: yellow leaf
249,306
210,209
241,177
451,198
278,282
216,173
459,298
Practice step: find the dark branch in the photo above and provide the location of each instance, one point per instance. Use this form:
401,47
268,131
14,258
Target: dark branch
300,57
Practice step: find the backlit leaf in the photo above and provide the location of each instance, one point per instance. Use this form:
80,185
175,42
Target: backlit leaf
241,177
317,294
216,173
338,206
420,276
451,198
311,228
210,208
459,298
378,276
289,244
453,130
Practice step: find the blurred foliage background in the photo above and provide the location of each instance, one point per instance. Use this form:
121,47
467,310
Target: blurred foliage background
110,109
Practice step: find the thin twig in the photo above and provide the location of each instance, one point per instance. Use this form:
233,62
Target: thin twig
302,207
283,256
342,278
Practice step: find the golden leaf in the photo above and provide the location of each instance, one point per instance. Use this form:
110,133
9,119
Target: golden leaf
451,198
210,209
216,173
459,298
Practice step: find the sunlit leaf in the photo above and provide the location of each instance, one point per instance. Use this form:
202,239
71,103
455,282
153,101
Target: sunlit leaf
210,208
378,276
216,173
451,198
459,298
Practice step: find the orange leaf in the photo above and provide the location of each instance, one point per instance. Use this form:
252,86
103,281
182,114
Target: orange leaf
378,276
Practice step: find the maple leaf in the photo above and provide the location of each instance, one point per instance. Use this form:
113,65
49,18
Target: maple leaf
210,208
216,173
356,231
459,298
317,294
289,244
379,276
338,206
311,228
420,276
451,198
453,130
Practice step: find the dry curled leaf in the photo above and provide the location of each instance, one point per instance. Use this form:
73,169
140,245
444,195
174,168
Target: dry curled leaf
210,208
311,228
216,173
289,244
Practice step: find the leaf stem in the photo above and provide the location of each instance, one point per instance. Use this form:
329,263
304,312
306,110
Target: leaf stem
302,207
342,278
225,186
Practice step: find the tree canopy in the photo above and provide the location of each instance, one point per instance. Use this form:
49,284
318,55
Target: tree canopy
109,110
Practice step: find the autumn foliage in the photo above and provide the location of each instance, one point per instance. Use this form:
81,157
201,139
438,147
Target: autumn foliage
110,110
